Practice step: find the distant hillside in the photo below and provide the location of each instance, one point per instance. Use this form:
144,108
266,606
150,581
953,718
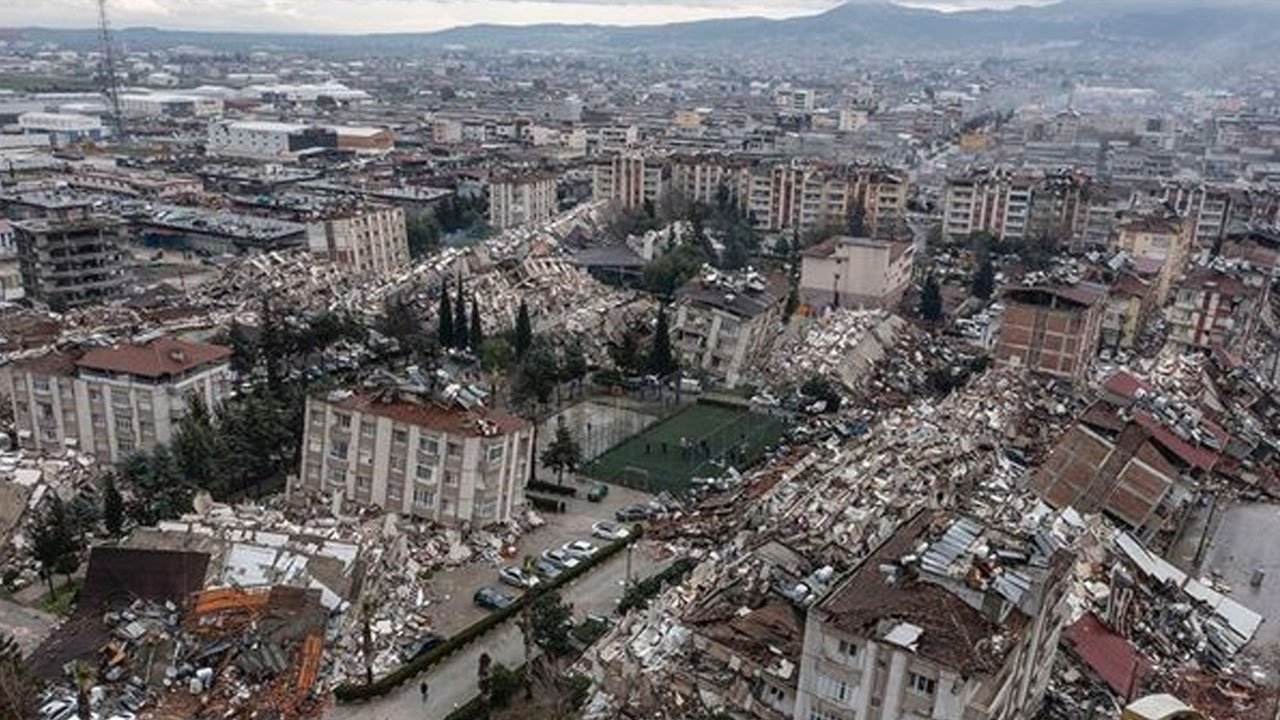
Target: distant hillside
1221,29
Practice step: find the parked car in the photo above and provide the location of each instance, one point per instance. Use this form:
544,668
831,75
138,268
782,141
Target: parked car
597,492
517,577
493,599
546,569
606,530
418,647
580,549
560,558
632,513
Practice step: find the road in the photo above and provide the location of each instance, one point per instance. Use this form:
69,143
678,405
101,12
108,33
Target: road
453,682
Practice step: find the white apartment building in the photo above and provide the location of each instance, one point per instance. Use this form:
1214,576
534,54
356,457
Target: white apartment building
113,401
413,456
62,128
856,273
370,241
906,636
988,201
629,179
520,200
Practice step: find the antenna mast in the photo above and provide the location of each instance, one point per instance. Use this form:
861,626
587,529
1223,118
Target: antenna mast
110,81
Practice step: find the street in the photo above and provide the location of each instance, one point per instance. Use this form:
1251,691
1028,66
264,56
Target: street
453,682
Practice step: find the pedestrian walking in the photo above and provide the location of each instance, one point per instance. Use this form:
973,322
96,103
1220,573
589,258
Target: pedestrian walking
423,688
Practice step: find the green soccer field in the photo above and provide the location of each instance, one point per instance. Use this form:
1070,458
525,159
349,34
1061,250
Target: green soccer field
699,441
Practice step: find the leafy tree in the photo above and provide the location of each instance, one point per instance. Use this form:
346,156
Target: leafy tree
931,299
423,235
83,515
460,340
503,684
735,255
496,355
820,388
272,344
626,354
984,278
524,332
476,336
552,618
444,328
53,543
196,446
574,362
661,360
563,454
112,506
400,323
244,351
793,300
538,374
857,225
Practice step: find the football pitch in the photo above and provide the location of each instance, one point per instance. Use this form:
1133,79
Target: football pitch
702,440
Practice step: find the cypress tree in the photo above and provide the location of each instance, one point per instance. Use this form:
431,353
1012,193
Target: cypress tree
661,361
460,340
477,332
444,331
524,331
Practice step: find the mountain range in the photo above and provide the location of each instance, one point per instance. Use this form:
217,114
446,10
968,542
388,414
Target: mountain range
1193,32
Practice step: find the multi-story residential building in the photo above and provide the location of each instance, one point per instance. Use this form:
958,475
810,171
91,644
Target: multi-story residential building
1209,209
721,324
416,456
856,272
935,624
794,101
370,241
1052,329
68,256
1157,237
524,199
629,179
1130,304
993,201
1210,309
113,401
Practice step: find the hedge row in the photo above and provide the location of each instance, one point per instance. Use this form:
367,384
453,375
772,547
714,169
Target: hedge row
397,677
639,594
551,488
545,504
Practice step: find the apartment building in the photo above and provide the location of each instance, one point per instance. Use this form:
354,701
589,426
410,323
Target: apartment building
993,201
946,620
1157,237
856,272
520,200
1209,208
720,323
1053,330
113,401
412,455
68,255
1210,309
370,241
629,179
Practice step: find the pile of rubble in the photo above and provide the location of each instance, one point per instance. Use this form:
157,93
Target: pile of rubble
842,346
26,480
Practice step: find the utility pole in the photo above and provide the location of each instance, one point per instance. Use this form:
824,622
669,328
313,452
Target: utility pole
110,82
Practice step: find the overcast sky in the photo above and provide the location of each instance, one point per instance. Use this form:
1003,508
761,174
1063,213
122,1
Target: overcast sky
360,16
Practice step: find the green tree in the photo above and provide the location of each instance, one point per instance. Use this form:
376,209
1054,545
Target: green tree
444,327
244,351
460,339
661,360
574,362
83,515
423,235
563,454
539,373
857,225
476,336
112,506
626,354
524,332
53,543
552,619
496,355
793,299
931,299
984,277
272,343
503,684
196,447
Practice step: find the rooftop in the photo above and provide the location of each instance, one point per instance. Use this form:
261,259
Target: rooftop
477,422
157,358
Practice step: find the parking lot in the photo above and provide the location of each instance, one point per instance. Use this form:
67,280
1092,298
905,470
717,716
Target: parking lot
452,590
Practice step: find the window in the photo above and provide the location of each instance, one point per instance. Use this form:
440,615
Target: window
921,684
834,689
820,715
397,463
400,436
342,421
338,449
486,508
124,445
395,493
426,472
366,429
429,447
337,476
454,449
848,649
363,483
495,453
41,384
425,497
450,478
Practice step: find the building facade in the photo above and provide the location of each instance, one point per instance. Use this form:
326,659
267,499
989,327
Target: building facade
719,327
521,200
856,272
1157,238
370,241
68,256
1053,330
62,128
907,635
416,457
628,180
113,401
1210,309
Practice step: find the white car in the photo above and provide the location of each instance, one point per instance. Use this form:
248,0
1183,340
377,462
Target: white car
580,549
606,530
512,575
559,557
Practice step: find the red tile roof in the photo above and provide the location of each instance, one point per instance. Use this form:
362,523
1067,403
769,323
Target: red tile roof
434,416
159,358
1193,455
1126,385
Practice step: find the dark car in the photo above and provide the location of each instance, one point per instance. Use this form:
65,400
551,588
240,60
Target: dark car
547,569
493,599
632,513
597,492
420,646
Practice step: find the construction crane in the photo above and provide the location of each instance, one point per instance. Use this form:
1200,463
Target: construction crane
110,82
